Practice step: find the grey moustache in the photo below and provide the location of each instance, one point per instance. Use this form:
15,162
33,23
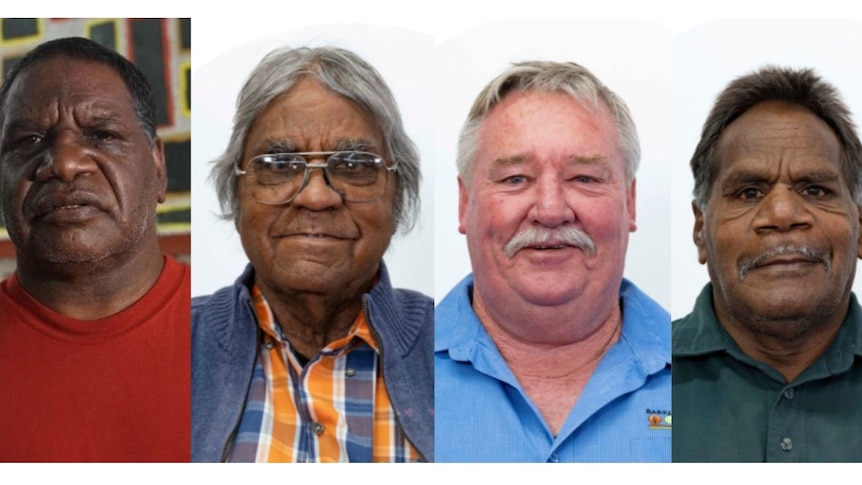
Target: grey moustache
807,252
534,236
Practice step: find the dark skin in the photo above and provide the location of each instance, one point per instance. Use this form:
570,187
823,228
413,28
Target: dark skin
315,256
79,186
780,236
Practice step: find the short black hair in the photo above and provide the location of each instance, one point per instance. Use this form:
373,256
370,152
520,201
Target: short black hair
801,87
86,49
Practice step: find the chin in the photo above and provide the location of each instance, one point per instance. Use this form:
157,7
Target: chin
551,295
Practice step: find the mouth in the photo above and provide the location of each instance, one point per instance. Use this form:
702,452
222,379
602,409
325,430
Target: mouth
550,239
786,259
63,206
316,236
546,247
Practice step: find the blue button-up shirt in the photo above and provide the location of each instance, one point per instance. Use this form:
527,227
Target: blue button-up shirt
483,414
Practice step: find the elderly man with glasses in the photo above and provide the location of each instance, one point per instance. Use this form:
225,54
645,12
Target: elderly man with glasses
312,355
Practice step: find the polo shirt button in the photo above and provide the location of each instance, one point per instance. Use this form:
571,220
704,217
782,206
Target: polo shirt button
788,393
786,444
350,372
317,429
268,345
554,459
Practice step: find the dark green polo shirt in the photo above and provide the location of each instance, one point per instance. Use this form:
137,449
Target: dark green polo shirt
728,407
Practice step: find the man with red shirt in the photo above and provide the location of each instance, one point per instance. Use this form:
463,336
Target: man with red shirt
94,324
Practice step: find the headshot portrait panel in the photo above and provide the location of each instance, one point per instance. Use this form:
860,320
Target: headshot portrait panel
551,343
767,329
315,344
94,241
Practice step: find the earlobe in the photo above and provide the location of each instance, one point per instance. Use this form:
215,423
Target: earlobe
463,197
859,239
161,171
697,233
631,202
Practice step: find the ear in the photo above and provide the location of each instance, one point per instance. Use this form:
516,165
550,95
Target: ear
161,172
697,234
631,205
463,198
859,242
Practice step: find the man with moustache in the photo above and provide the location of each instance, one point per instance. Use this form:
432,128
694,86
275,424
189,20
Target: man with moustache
545,353
312,356
94,323
768,366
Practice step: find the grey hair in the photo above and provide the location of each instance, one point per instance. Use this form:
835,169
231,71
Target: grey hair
344,73
801,87
545,76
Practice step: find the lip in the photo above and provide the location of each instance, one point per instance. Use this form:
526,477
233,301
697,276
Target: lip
315,238
787,260
65,206
547,247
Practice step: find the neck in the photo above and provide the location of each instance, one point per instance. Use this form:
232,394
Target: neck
310,321
94,289
552,370
546,326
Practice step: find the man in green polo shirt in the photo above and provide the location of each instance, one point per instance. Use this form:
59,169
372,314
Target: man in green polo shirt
768,366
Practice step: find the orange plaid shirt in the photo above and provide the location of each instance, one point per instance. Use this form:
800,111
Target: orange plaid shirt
334,409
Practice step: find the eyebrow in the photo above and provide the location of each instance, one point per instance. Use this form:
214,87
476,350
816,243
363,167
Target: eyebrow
104,118
279,146
509,161
592,160
357,144
344,144
749,176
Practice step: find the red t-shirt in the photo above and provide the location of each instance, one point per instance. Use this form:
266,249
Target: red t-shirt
114,389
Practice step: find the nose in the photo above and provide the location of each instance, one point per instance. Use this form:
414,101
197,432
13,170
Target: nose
782,209
317,194
65,158
551,207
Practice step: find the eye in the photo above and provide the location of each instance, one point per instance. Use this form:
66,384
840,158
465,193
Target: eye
749,193
816,191
29,140
515,180
584,179
102,135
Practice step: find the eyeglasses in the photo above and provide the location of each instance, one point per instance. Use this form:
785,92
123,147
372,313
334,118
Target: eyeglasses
277,178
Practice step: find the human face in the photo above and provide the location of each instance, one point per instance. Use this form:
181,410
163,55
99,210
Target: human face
317,242
780,232
546,162
80,179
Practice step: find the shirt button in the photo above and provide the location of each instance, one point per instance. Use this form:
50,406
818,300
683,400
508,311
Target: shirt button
788,393
786,444
554,459
268,345
350,372
317,429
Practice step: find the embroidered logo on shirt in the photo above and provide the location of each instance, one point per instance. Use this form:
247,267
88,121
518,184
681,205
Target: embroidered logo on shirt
659,419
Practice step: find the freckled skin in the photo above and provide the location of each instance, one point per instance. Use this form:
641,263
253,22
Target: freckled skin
779,183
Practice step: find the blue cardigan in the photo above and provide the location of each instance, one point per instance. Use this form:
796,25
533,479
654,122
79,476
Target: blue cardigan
224,343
